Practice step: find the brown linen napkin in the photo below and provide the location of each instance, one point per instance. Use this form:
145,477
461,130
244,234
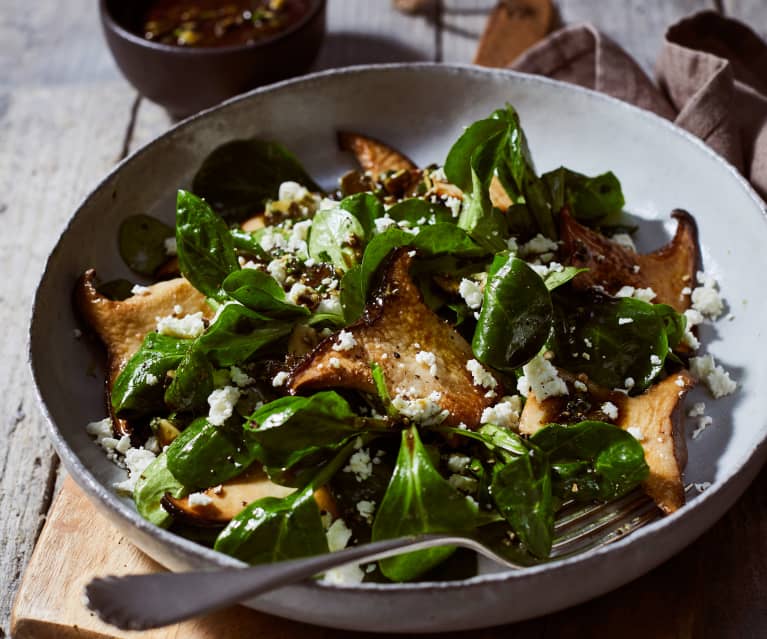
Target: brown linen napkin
711,74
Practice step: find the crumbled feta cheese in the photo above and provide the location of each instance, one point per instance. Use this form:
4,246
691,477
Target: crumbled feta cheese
423,410
438,174
523,386
481,376
152,445
277,269
454,204
100,429
170,246
298,236
345,341
457,463
463,483
272,239
280,379
700,487
151,379
330,305
705,298
136,461
703,423
199,499
360,464
366,509
643,294
471,292
222,402
338,535
655,360
544,379
239,377
625,320
610,410
334,362
188,327
384,222
298,291
625,240
679,381
580,386
715,377
429,360
698,410
629,383
505,413
635,432
291,192
123,445
538,245
137,289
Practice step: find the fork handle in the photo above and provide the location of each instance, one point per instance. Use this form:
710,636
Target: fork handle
140,602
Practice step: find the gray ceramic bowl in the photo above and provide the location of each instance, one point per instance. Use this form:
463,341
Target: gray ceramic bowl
421,109
186,80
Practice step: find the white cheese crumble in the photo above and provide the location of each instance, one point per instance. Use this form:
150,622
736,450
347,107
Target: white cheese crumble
703,423
151,379
698,410
610,410
429,360
700,487
199,499
423,410
338,535
384,222
276,268
297,291
239,377
655,360
222,402
635,432
538,245
715,377
505,413
360,464
188,327
136,461
471,292
643,294
523,386
629,383
334,362
280,379
705,298
291,192
544,379
580,386
624,240
170,246
345,341
366,509
625,320
137,289
481,376
454,204
457,463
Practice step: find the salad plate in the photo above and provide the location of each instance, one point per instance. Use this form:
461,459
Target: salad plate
421,110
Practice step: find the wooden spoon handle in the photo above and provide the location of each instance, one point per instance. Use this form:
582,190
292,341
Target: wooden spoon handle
512,27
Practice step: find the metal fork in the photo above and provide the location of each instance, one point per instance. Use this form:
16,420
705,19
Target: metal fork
140,602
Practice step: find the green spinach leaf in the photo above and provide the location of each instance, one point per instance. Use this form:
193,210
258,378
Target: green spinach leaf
590,199
516,315
260,292
192,383
419,212
141,239
238,177
154,482
419,500
336,238
366,208
205,247
139,389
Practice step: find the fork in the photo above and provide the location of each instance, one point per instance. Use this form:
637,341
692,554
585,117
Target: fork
140,602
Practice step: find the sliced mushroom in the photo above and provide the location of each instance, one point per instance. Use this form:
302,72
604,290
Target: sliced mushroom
122,325
372,155
654,415
667,270
229,499
395,327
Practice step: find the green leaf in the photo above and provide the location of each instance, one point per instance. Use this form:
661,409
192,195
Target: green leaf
419,500
192,383
419,212
458,163
521,490
592,460
336,238
238,177
445,238
516,315
271,529
205,455
133,395
622,338
590,199
291,429
205,247
239,333
366,208
555,279
141,239
260,292
154,482
247,242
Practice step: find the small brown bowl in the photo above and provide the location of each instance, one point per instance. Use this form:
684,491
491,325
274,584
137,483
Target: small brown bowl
186,80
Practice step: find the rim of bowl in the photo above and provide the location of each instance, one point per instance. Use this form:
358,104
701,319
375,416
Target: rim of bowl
748,463
316,6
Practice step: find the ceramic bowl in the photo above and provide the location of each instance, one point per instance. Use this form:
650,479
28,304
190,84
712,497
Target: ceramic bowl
186,80
421,109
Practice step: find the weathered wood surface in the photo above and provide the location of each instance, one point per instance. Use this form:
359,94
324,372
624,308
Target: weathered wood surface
66,116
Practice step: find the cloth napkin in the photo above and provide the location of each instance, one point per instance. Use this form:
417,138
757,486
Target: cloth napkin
711,79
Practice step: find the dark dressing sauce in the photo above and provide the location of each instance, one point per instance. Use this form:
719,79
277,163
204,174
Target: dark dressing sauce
219,23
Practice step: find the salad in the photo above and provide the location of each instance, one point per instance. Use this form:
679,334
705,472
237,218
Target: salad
463,348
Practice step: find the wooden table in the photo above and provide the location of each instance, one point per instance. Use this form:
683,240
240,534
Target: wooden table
66,116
